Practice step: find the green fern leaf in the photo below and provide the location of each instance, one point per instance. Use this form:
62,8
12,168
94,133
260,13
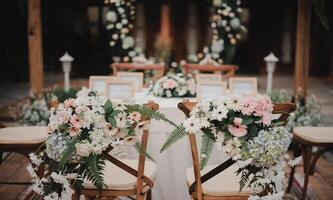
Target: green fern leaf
206,149
67,154
140,150
94,170
176,135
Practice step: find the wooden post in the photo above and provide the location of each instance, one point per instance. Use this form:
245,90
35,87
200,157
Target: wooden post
35,46
302,58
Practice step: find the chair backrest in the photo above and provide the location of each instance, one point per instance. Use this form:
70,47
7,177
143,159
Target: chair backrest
139,173
227,70
186,107
158,68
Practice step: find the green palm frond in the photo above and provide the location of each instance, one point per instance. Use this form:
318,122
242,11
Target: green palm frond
177,134
140,150
93,170
207,145
149,113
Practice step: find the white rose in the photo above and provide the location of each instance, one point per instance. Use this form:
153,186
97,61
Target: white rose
83,149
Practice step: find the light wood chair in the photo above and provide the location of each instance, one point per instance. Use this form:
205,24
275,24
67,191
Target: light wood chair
307,138
226,70
23,140
219,182
125,177
158,68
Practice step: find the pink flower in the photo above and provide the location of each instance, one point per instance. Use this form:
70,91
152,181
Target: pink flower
73,131
70,103
170,84
76,121
238,129
135,116
266,119
63,117
248,105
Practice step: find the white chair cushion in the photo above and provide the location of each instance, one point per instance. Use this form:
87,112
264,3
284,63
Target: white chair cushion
315,134
118,179
23,135
225,183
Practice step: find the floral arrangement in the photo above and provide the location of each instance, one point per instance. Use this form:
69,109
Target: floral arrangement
120,18
79,131
307,113
228,31
243,128
35,109
174,85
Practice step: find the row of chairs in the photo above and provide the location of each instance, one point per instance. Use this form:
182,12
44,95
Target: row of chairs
136,177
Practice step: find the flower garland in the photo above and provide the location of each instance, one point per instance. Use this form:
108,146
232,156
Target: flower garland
243,128
174,85
228,31
80,130
120,18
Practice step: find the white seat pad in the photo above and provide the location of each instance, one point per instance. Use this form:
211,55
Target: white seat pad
118,179
225,183
315,134
23,135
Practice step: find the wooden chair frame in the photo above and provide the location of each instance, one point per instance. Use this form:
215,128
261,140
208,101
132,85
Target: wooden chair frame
159,68
226,70
195,189
143,183
304,147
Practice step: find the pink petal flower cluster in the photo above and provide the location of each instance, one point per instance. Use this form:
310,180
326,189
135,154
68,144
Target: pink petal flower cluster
169,84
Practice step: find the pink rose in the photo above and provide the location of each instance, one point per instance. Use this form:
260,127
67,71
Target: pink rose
76,121
135,116
238,129
170,84
63,117
70,103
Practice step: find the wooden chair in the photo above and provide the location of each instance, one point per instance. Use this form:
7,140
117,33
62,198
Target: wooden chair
307,138
125,177
219,182
159,68
23,140
226,70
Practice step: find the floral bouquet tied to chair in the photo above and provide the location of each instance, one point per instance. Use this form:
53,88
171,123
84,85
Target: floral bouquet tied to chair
243,127
81,132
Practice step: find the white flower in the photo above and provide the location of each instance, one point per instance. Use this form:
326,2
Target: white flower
111,16
35,160
219,113
192,125
231,147
217,46
235,23
234,102
31,171
295,161
83,149
128,42
168,93
121,120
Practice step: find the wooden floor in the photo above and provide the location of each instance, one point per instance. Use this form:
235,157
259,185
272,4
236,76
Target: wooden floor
14,169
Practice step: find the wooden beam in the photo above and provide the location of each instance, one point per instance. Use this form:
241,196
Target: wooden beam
302,57
35,46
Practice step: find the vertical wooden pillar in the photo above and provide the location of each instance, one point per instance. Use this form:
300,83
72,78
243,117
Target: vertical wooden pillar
165,23
35,46
302,58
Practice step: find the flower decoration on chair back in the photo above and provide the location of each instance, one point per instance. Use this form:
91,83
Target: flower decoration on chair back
242,127
80,130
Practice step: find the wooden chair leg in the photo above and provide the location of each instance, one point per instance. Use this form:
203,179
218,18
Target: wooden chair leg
307,153
148,195
291,179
